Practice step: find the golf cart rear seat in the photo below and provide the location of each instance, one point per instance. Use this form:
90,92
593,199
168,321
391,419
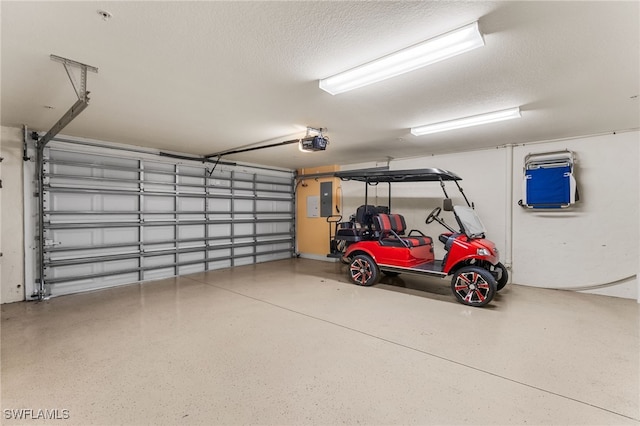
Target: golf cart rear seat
361,227
391,228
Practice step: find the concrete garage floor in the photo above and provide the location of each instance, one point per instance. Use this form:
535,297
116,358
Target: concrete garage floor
292,342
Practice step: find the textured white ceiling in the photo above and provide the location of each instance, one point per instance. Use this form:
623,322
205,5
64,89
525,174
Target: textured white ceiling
202,77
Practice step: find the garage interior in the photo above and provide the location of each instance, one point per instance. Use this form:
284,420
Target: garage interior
164,233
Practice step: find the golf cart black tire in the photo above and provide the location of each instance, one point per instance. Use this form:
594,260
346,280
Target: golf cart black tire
371,270
504,278
391,273
468,275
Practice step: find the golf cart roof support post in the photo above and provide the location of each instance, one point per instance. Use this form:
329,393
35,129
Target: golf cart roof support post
443,188
389,206
462,192
366,192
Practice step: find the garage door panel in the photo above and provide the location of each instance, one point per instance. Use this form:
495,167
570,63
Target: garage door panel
220,253
70,202
120,235
90,253
90,158
72,271
68,169
190,190
219,264
191,217
72,238
159,273
191,204
159,187
69,238
269,187
191,269
191,245
92,218
129,175
219,230
243,206
157,218
272,247
242,228
219,205
151,261
273,227
158,166
190,231
151,176
93,268
243,261
191,256
153,234
77,286
159,247
243,182
243,250
153,202
121,202
115,217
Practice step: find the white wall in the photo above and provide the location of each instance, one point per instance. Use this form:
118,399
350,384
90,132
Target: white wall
595,243
588,247
11,217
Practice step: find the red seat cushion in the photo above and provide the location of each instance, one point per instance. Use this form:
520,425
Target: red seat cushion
386,223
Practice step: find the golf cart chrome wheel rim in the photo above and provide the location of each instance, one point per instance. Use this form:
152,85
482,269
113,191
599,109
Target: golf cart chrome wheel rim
471,287
361,271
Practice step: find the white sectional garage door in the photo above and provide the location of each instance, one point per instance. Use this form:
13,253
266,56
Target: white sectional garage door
117,217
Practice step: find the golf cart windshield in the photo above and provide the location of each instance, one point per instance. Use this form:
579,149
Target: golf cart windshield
470,222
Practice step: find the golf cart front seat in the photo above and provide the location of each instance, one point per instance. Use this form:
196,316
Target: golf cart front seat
391,228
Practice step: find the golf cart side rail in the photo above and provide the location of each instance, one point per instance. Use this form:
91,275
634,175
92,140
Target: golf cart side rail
413,175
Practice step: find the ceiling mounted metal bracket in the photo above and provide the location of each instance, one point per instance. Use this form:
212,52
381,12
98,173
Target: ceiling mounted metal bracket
81,91
80,88
318,131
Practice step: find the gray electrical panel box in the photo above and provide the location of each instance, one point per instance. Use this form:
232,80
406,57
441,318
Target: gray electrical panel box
326,199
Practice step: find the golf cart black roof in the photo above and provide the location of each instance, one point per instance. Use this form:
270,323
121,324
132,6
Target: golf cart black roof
413,175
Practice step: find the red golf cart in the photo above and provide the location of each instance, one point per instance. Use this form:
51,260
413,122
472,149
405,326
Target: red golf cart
376,241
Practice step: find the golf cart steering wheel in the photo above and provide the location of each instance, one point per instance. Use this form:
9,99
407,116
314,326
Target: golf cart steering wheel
433,215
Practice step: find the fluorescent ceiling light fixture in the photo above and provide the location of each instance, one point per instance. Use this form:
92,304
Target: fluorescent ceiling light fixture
417,56
459,123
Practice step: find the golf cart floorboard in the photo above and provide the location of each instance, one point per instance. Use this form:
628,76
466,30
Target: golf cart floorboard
433,269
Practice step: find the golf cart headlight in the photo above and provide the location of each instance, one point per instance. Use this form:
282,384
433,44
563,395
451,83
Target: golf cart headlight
483,252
